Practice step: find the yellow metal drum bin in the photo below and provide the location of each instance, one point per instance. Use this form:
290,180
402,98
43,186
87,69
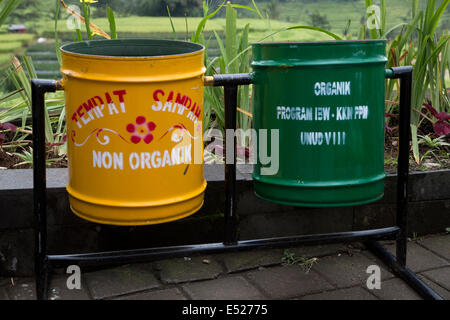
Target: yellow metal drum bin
134,111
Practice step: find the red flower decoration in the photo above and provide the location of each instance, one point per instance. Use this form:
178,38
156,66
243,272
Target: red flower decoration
141,130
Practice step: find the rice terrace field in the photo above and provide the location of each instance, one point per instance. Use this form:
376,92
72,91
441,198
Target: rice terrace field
342,16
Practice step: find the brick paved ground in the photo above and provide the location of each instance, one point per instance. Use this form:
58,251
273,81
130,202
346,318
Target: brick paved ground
339,273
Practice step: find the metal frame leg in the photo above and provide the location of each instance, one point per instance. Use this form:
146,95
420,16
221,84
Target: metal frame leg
230,222
230,83
398,263
38,90
405,75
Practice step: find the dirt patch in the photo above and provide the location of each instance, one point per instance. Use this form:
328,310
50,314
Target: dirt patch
10,161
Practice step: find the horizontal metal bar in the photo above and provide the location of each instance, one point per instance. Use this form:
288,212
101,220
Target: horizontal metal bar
399,72
127,256
237,79
404,273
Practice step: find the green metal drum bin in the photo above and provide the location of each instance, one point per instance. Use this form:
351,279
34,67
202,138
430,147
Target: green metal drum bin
327,100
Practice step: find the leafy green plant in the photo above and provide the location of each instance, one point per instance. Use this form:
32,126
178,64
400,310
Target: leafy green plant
436,145
417,44
389,160
426,67
21,73
27,157
112,22
234,57
289,258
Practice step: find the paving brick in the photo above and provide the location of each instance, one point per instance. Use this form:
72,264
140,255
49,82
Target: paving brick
241,261
4,284
121,280
444,293
164,294
288,281
188,269
348,271
395,289
419,259
59,291
355,293
25,289
226,288
439,245
440,276
3,294
22,290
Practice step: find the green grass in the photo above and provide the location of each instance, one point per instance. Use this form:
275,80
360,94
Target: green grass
4,58
290,35
12,43
130,24
16,37
46,46
46,65
10,46
154,25
338,13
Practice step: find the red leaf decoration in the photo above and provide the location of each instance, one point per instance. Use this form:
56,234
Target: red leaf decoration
431,109
57,144
443,116
8,126
440,116
387,128
441,128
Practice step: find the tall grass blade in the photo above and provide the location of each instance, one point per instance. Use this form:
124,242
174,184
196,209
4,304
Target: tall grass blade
231,38
7,9
57,44
257,10
112,22
79,36
201,25
382,17
86,14
223,52
171,24
331,34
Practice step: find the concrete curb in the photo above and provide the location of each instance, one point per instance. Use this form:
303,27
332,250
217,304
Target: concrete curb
429,210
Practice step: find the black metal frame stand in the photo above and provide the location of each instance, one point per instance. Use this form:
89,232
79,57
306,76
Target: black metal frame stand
230,82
